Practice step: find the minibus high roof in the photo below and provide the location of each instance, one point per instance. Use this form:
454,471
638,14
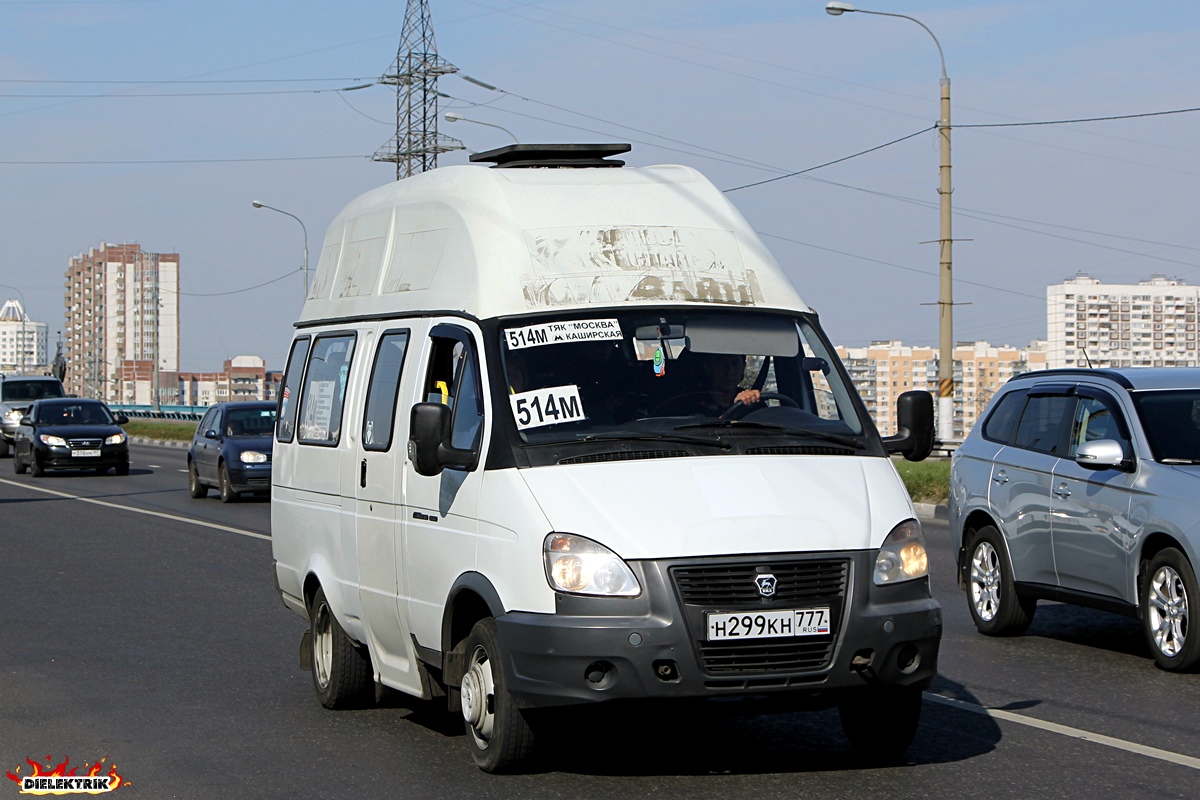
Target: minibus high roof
497,241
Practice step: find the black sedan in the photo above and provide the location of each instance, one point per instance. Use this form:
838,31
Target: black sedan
70,433
231,450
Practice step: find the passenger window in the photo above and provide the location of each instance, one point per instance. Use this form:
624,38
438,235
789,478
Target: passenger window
453,380
291,389
1094,420
380,416
325,390
1041,425
209,422
999,425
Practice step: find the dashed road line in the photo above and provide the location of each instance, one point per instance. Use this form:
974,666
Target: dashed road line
1067,730
147,512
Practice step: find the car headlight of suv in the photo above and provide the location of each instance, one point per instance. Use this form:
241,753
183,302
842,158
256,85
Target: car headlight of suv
253,457
116,438
52,441
580,566
13,415
902,557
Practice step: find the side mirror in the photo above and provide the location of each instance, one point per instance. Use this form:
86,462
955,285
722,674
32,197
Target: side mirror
122,419
25,420
1101,454
210,434
914,441
429,441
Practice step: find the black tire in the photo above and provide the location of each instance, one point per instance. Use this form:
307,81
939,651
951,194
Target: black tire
1168,589
228,495
35,468
996,608
4,448
18,468
195,488
341,669
122,468
881,721
497,732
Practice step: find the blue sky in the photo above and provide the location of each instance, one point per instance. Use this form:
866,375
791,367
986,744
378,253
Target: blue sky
159,121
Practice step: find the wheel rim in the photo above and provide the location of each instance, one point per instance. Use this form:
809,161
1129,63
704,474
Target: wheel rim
192,477
479,697
322,645
985,581
1168,611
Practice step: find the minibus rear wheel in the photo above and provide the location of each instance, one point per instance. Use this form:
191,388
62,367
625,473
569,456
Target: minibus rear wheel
497,731
341,671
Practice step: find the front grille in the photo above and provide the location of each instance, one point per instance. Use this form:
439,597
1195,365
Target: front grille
732,584
258,482
84,444
767,655
728,587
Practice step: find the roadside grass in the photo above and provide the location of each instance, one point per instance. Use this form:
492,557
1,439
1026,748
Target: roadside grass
162,430
928,481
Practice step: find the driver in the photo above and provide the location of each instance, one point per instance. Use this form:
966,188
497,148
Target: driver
722,377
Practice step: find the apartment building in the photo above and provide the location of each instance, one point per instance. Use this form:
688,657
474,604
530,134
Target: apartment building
122,323
243,378
1151,323
22,341
886,369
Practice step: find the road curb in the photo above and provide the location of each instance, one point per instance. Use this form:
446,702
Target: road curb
158,442
932,511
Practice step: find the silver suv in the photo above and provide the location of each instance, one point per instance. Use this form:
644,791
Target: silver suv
17,393
1083,486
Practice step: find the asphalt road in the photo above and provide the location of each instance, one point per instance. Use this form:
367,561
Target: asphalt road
140,626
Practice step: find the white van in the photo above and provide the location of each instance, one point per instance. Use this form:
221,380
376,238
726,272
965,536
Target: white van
560,432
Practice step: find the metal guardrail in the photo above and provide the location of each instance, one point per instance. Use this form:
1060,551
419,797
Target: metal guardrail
187,413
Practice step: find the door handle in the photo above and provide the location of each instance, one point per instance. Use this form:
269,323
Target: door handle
1000,477
362,474
1063,492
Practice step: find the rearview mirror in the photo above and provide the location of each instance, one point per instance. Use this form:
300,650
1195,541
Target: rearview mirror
914,437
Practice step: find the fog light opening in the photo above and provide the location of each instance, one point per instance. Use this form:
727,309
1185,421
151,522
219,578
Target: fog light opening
908,659
600,674
666,671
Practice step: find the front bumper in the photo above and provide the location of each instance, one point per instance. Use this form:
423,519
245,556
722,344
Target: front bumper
654,645
62,458
249,477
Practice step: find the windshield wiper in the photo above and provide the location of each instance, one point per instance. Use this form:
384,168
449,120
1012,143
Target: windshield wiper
1179,461
706,441
732,425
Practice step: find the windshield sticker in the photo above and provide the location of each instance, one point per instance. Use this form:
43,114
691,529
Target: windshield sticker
550,406
579,330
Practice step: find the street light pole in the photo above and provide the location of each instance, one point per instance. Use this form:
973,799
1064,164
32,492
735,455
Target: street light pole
257,204
453,117
945,421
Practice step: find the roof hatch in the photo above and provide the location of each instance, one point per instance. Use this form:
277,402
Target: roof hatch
515,156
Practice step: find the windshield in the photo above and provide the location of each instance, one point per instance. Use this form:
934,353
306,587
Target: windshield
1171,420
679,373
254,421
73,412
15,390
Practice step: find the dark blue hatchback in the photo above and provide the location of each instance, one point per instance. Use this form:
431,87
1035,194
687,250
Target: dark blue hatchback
231,450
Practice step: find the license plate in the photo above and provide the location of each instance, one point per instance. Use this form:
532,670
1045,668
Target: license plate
769,624
85,453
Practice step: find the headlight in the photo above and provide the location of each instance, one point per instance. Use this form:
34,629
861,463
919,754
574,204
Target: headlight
116,438
580,566
13,414
902,556
53,441
252,457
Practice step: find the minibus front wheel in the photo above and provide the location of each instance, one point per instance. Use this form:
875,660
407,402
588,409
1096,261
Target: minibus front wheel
497,731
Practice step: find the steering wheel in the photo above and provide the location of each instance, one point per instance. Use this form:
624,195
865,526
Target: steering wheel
740,409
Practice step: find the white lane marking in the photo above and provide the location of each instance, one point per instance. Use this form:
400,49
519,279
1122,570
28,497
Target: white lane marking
154,466
147,512
181,470
1066,730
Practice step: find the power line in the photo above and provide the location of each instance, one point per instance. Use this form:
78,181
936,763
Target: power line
1083,119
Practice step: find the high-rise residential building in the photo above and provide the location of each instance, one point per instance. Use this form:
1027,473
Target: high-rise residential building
22,341
1151,323
122,324
886,369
